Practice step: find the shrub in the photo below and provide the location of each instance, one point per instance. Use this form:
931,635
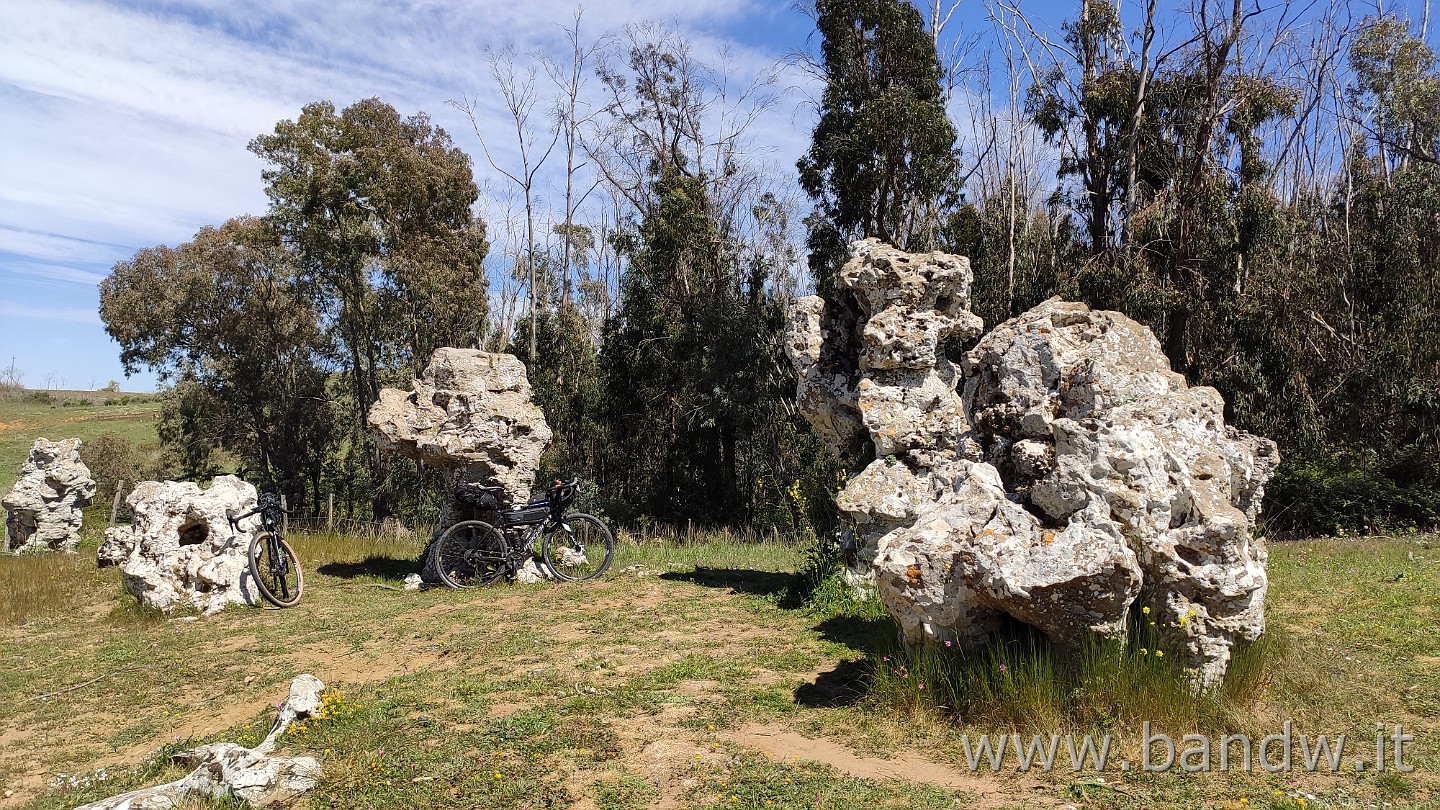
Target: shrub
1343,495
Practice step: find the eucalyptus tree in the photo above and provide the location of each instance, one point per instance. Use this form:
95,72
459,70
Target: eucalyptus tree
224,318
882,158
377,208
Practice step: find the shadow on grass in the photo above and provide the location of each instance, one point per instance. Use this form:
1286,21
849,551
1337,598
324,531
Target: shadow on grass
845,685
380,567
738,580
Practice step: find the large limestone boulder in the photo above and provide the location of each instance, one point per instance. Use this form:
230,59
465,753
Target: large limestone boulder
43,509
875,370
470,414
256,776
180,549
1060,469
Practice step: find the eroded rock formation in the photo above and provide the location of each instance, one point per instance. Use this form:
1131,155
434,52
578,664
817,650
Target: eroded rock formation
43,509
469,415
222,770
1052,474
180,549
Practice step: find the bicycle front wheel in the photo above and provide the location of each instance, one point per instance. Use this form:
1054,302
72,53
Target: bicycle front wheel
579,547
470,554
276,570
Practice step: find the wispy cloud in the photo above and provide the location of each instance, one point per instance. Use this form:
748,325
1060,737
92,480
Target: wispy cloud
126,123
53,274
13,309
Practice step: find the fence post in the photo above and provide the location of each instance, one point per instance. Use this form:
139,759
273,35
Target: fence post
115,504
284,517
330,512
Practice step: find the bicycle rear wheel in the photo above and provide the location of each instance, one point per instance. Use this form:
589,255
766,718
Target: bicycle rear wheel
276,570
579,547
470,554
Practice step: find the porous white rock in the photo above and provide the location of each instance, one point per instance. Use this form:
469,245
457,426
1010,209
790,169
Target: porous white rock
43,509
221,770
180,549
1057,471
469,415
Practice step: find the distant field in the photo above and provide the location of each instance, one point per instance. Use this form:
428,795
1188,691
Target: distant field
57,415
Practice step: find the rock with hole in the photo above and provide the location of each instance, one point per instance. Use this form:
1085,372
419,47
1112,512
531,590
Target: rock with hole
180,551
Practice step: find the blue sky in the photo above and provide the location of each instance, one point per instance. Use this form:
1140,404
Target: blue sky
124,125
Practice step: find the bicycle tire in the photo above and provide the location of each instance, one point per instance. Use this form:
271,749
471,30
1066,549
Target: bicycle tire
470,554
277,590
572,561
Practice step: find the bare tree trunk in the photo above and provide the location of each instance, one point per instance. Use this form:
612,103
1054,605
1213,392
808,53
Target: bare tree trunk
518,93
1137,117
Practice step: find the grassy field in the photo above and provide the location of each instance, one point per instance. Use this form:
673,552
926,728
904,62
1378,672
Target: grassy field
691,676
69,414
688,677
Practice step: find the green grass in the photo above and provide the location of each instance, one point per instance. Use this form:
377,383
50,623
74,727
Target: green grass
638,689
23,420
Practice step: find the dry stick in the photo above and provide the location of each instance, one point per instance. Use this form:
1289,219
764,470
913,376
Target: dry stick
115,505
330,512
49,695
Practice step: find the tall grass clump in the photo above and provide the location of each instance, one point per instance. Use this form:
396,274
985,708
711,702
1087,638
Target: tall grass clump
43,584
1019,681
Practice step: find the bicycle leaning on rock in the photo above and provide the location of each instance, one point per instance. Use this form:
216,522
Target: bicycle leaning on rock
273,564
571,545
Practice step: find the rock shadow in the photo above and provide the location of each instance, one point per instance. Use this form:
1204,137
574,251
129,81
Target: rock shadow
381,567
738,580
844,685
875,636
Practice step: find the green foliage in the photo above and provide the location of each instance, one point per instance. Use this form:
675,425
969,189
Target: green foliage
378,210
694,378
1344,495
882,156
112,459
224,317
567,385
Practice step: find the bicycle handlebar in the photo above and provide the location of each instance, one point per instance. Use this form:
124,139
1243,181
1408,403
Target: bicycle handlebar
235,519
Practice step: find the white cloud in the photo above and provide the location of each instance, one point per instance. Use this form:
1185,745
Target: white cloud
53,273
125,124
13,309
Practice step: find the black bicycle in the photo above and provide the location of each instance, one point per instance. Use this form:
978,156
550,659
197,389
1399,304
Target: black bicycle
574,546
273,563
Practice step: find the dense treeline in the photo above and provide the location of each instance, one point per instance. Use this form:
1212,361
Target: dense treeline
1258,187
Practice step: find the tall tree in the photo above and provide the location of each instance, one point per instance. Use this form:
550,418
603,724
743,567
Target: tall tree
882,156
378,208
696,385
225,318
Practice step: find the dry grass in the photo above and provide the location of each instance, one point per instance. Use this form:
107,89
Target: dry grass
632,691
35,586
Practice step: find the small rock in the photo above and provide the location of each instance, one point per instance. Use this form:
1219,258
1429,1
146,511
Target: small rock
226,769
412,582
